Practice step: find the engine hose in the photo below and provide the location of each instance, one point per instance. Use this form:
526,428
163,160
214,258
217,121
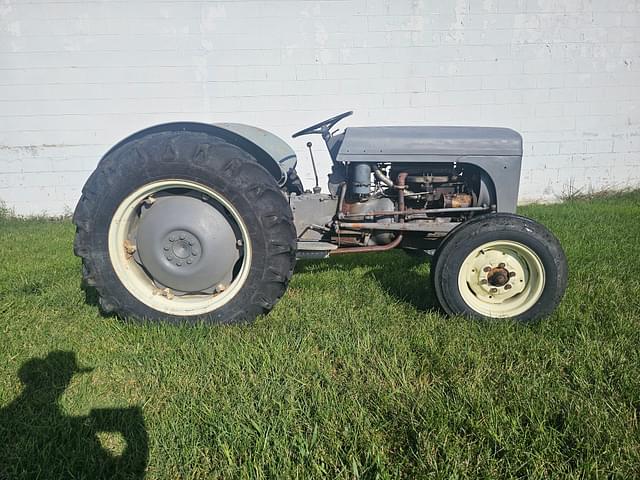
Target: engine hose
382,177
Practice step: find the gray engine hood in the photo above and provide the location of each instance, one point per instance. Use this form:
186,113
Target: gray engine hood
427,140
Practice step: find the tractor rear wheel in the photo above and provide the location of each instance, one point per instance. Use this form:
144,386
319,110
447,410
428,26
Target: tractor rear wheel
500,266
184,227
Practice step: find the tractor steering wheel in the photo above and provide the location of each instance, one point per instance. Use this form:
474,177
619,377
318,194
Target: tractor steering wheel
322,127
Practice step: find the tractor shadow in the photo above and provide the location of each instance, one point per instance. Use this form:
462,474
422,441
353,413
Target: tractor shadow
91,296
38,439
402,276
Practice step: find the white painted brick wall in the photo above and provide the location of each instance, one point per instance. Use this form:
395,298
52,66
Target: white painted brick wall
77,76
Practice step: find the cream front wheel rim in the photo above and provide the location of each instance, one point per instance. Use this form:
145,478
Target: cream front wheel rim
501,279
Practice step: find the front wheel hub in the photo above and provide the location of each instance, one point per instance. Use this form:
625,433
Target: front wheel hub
501,279
498,276
186,244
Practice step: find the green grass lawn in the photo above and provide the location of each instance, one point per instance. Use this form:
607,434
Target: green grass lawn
355,373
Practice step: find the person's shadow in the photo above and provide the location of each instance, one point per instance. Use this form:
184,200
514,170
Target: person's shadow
37,439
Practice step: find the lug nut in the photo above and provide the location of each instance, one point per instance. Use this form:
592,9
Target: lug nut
483,281
501,265
166,248
486,269
129,248
169,257
512,274
194,252
182,237
172,238
507,286
189,261
179,264
493,290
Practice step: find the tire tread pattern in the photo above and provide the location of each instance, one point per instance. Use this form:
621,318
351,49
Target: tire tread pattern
194,155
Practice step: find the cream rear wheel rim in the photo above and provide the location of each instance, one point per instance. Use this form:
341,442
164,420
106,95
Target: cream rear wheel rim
135,279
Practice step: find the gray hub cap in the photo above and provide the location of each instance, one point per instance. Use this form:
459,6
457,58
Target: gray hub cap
186,244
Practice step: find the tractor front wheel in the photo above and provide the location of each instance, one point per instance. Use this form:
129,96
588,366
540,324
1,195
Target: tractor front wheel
500,266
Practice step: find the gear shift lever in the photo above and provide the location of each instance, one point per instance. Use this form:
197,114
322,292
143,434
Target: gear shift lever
316,189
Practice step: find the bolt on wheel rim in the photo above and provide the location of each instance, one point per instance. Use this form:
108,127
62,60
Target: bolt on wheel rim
180,253
501,279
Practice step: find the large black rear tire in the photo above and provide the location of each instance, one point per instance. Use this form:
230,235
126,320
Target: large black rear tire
500,266
249,194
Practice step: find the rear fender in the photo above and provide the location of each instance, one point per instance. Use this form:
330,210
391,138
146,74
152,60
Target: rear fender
276,156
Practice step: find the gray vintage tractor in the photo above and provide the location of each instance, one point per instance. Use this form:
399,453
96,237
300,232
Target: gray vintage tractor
189,222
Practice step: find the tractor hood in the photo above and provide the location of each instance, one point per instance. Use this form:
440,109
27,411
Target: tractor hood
449,141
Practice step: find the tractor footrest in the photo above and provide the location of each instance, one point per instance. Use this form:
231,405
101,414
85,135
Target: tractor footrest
314,250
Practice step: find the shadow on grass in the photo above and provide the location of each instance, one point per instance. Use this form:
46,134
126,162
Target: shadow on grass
92,298
397,273
38,440
91,295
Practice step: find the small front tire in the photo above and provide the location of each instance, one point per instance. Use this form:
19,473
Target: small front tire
500,266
